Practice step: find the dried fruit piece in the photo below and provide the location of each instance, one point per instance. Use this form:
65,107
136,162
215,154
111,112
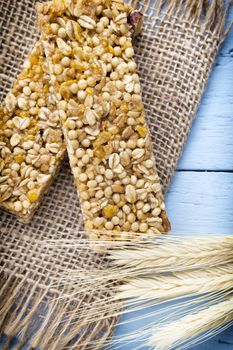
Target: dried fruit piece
110,210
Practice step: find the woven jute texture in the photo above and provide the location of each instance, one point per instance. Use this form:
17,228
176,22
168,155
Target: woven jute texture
175,53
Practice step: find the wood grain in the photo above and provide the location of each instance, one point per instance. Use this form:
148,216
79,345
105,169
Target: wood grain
200,199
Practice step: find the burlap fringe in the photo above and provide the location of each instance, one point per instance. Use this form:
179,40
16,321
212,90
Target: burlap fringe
26,309
39,318
206,15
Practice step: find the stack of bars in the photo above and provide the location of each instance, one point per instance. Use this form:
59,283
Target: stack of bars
79,91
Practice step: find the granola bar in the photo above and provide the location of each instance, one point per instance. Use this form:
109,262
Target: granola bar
31,140
89,48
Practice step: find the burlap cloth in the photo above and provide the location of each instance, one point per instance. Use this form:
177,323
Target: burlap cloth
175,53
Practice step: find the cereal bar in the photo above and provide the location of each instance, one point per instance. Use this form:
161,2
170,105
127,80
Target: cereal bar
89,48
31,140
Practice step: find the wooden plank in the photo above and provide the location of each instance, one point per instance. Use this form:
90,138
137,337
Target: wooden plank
210,144
201,203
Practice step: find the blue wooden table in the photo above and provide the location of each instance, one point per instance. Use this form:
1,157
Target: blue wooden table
200,199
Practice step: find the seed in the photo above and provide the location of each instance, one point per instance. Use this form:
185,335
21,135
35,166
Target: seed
116,198
99,194
15,140
43,178
10,102
80,152
53,147
135,226
119,170
63,47
22,103
86,143
146,208
126,209
92,184
82,84
131,218
86,205
143,227
121,18
54,27
125,158
89,102
83,177
109,174
130,194
15,166
109,225
86,22
149,163
132,144
117,51
91,117
21,123
127,132
138,153
18,206
85,159
162,206
156,212
108,192
114,161
115,220
156,187
62,33
74,88
27,91
65,61
129,52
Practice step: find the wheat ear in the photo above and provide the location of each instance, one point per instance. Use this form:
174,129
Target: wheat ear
174,253
191,328
172,267
178,284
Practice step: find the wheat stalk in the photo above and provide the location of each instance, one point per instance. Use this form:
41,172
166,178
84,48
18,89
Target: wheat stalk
178,284
140,292
174,253
150,272
184,330
157,254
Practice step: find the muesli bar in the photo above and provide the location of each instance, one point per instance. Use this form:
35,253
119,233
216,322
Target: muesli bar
89,48
31,139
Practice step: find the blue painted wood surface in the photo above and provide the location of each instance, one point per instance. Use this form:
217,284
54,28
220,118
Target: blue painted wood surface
200,199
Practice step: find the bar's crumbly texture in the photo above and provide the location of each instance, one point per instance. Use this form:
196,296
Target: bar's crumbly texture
89,47
31,140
